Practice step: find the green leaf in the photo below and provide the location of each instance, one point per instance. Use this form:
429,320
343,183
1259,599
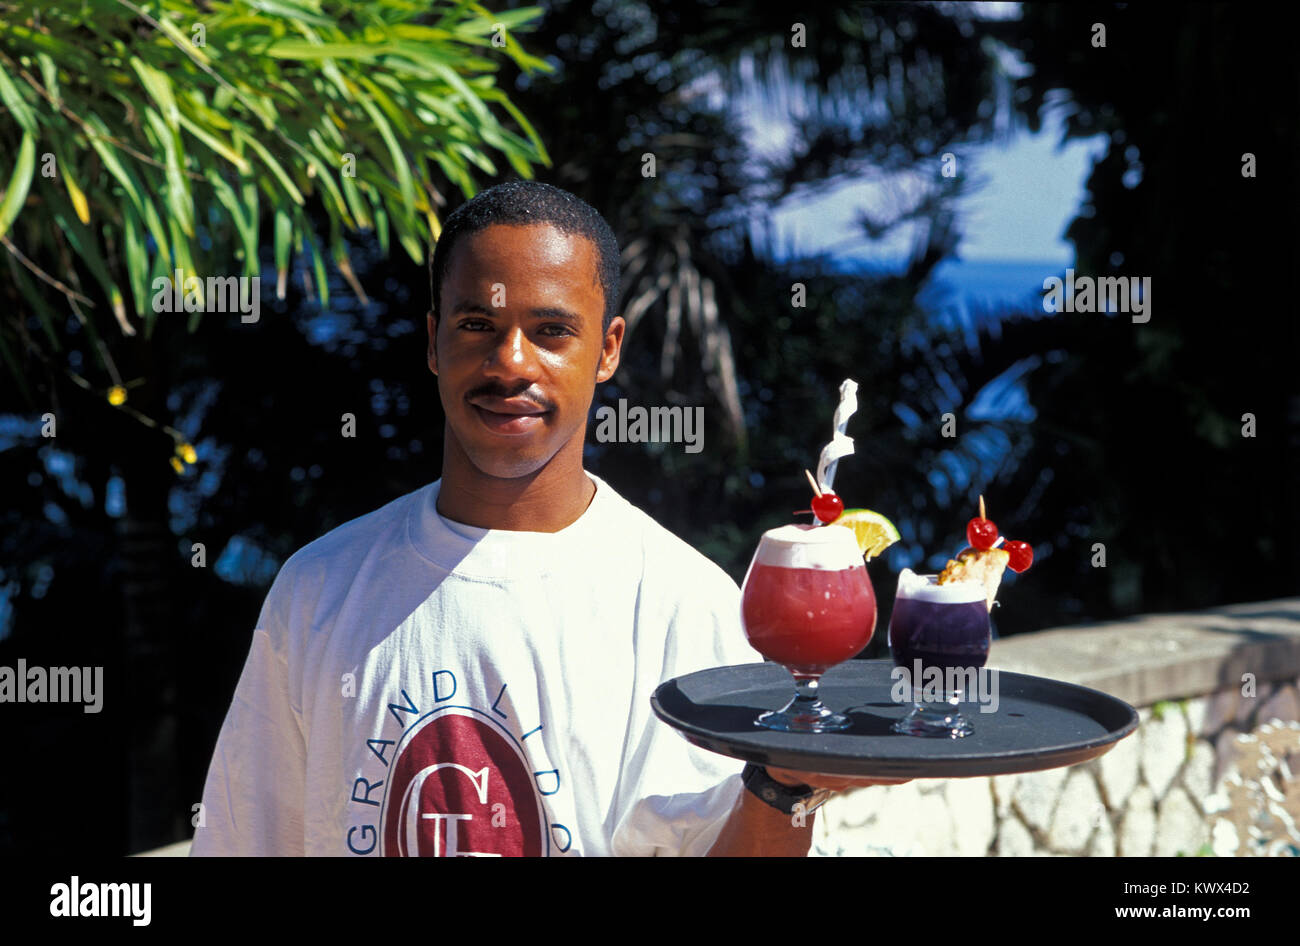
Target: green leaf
159,88
213,142
472,101
19,182
400,165
50,75
283,245
179,201
292,11
137,258
381,226
244,225
322,277
17,105
75,193
531,132
394,114
85,244
108,154
306,51
276,168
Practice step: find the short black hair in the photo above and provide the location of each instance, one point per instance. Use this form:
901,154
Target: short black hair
521,203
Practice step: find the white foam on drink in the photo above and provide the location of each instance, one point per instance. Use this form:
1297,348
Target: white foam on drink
920,588
831,548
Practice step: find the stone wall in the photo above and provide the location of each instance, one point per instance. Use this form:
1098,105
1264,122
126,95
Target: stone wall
1213,768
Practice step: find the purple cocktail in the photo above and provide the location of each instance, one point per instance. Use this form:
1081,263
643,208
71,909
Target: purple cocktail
939,635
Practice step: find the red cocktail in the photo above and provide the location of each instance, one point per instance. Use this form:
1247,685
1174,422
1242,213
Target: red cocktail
807,604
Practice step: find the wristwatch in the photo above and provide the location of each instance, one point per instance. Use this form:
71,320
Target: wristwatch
784,798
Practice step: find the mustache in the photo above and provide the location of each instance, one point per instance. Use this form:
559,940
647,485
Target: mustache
495,389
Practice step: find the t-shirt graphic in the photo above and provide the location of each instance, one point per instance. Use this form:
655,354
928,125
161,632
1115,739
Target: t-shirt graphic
461,786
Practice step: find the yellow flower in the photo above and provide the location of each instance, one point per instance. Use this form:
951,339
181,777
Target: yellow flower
187,453
177,466
117,395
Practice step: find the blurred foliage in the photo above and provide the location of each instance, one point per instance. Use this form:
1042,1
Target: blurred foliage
1140,425
171,133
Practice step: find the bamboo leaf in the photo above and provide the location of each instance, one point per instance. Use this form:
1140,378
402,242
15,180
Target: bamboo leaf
17,105
19,182
531,132
137,258
400,165
292,11
306,51
280,175
108,155
75,193
474,103
50,76
214,143
318,265
181,40
246,227
84,243
159,88
184,261
179,201
381,226
283,245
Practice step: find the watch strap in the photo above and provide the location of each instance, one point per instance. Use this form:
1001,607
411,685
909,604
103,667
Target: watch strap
776,794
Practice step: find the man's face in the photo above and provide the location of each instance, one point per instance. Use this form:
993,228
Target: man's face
518,347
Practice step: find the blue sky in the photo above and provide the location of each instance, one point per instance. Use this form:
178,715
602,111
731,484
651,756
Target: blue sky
1030,190
1028,187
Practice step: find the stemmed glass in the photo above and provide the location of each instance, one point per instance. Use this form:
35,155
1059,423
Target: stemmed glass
808,605
940,635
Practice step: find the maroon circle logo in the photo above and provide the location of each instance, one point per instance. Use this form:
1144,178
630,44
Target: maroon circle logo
461,786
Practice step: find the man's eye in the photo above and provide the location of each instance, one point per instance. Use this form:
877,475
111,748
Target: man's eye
476,325
556,330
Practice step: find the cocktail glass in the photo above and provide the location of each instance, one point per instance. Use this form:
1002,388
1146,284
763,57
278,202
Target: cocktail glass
808,605
940,635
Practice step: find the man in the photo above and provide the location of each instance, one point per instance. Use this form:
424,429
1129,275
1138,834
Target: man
467,670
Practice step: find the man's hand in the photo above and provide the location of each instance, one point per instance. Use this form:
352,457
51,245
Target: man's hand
839,783
755,829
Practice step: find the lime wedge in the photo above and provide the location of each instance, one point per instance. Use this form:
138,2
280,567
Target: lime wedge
875,533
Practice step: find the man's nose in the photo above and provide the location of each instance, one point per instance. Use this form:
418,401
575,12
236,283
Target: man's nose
512,355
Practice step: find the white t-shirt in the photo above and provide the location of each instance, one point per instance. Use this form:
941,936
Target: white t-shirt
420,687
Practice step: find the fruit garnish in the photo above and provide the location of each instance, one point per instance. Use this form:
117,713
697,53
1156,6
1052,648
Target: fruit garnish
874,532
1022,555
984,566
827,507
980,532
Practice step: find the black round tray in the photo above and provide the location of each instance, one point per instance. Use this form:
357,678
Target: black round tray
1039,723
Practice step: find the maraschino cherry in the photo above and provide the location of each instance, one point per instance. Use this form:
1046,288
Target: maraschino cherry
826,506
1022,555
981,533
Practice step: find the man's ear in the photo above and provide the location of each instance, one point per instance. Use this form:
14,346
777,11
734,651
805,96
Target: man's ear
433,337
612,347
